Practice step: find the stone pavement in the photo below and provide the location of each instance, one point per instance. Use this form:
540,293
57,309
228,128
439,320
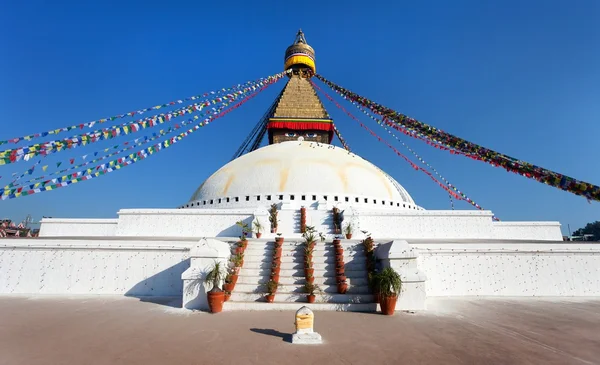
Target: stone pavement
118,330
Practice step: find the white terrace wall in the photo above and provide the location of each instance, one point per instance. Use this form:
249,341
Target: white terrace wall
510,269
56,227
93,266
182,222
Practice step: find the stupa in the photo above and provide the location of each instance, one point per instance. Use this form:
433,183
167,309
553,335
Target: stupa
301,180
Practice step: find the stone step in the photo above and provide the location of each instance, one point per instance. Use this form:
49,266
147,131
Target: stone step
300,259
301,297
300,280
294,288
359,266
300,272
294,306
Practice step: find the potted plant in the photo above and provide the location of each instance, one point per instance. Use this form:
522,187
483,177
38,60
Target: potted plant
390,284
310,279
339,268
215,295
257,228
275,273
308,253
311,290
239,247
302,219
373,279
310,236
273,217
238,260
337,221
272,286
308,269
339,250
342,286
279,239
277,249
245,229
227,296
348,230
229,284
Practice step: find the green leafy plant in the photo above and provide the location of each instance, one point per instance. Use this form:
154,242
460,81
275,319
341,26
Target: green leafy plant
311,289
214,276
237,259
388,282
348,229
257,226
273,216
272,287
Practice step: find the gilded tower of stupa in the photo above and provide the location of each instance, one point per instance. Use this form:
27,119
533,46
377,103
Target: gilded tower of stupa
299,112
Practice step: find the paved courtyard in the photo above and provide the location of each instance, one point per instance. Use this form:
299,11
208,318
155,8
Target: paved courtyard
118,330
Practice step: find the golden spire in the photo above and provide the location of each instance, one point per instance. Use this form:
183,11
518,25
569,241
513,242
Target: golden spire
300,55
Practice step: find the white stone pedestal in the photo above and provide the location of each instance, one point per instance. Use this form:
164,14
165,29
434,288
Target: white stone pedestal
307,338
304,328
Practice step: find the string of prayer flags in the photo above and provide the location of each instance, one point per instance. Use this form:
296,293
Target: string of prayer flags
119,163
130,114
480,153
413,165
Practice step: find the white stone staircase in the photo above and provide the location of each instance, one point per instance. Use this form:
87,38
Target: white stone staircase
249,291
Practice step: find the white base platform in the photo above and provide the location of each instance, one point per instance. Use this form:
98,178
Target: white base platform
307,338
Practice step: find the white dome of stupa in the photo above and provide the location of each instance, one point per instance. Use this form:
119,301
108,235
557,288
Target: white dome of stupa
304,172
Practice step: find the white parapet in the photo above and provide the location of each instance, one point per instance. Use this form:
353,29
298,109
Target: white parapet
85,227
509,268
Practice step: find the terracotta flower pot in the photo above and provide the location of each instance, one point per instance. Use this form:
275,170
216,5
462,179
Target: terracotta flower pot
270,298
339,278
388,304
276,261
337,241
234,278
309,272
310,279
227,296
245,244
312,245
311,298
339,251
275,277
228,287
348,236
258,234
342,288
215,301
238,249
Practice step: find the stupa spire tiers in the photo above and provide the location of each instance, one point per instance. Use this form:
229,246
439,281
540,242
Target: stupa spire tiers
299,112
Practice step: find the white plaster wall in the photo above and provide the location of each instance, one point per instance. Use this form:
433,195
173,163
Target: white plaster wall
510,269
51,266
182,222
52,227
452,225
527,230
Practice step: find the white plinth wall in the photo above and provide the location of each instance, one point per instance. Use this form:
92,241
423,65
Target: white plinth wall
438,253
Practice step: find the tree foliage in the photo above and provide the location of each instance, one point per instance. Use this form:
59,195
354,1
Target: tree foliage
590,228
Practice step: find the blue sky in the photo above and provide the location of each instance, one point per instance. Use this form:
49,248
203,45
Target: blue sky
522,78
